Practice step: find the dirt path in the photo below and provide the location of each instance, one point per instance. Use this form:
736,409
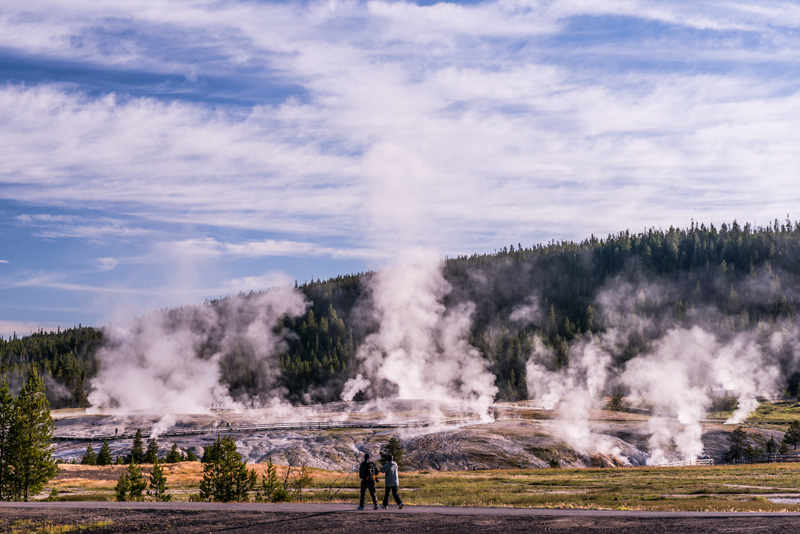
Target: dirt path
190,518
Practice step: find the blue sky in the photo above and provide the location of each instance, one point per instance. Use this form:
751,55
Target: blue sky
160,153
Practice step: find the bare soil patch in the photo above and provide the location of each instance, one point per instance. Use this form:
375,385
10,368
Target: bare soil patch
113,521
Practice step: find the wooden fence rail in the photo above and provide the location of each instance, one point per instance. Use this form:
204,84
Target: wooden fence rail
768,458
685,463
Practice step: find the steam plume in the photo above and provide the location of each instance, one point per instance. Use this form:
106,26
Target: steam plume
177,361
676,377
679,377
420,350
572,392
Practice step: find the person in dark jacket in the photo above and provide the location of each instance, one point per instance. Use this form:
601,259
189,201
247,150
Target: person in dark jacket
391,481
368,473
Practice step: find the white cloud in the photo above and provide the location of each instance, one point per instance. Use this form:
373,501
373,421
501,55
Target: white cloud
166,294
178,161
457,127
210,248
106,264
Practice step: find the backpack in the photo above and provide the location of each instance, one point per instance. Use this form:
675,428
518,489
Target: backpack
367,471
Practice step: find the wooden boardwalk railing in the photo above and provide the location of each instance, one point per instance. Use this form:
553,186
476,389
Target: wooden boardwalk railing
267,427
686,463
768,458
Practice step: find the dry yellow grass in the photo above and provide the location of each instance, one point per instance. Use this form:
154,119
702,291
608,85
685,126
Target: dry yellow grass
743,488
93,478
88,477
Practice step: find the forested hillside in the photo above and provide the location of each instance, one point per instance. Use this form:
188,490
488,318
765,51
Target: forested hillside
66,359
733,277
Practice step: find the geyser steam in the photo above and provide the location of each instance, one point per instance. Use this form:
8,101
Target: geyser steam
172,362
412,328
676,377
420,350
677,380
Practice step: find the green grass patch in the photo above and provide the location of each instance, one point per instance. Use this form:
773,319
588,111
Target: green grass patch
719,488
48,527
770,413
87,497
715,488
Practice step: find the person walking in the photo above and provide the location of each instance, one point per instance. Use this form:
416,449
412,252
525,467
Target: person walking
367,472
391,482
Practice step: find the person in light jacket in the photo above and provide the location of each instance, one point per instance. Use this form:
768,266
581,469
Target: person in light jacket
391,481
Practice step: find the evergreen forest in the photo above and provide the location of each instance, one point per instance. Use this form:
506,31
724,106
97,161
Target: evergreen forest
734,277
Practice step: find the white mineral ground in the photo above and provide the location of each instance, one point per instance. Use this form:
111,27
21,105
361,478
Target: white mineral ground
521,436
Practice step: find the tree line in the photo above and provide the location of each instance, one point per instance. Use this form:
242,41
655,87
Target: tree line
138,454
745,275
742,447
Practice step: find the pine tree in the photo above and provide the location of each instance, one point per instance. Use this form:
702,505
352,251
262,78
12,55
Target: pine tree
8,410
737,439
225,476
137,452
130,484
136,481
158,483
33,461
269,484
771,446
190,456
174,455
104,456
211,452
122,488
792,436
394,449
151,456
89,457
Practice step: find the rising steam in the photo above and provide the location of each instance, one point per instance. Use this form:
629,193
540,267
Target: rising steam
185,360
572,391
675,378
420,350
224,353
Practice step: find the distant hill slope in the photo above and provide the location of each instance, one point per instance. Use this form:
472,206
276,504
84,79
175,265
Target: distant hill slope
730,278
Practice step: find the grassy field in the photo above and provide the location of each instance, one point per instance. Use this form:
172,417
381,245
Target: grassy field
772,415
718,488
780,412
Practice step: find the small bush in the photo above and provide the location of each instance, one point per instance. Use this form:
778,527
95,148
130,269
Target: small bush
281,495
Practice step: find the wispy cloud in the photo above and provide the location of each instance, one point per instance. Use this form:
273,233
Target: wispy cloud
350,130
162,293
51,226
31,280
212,248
